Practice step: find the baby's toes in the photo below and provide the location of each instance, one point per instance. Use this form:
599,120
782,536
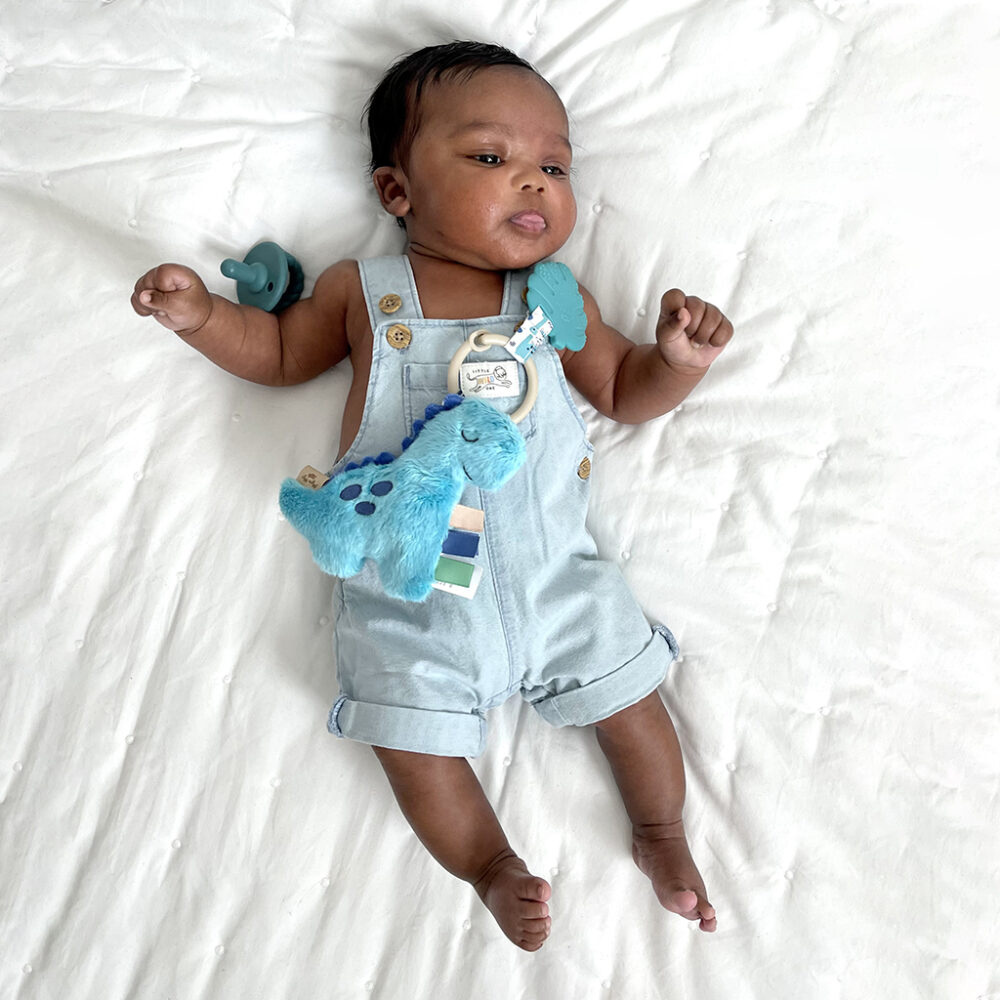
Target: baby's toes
699,909
682,901
536,888
529,911
534,933
706,912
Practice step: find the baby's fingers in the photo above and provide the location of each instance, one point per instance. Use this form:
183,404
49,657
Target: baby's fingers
174,296
712,329
674,317
138,305
723,333
169,278
716,330
154,300
698,329
150,302
142,299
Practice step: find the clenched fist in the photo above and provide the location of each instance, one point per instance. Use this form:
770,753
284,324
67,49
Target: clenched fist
175,297
691,333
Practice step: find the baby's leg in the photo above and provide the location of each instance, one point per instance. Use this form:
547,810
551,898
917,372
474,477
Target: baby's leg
444,803
645,757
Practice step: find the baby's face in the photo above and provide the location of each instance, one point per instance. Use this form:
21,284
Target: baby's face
487,177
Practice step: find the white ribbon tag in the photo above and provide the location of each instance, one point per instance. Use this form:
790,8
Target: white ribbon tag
490,380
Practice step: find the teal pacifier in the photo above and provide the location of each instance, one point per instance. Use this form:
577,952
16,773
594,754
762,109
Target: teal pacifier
268,277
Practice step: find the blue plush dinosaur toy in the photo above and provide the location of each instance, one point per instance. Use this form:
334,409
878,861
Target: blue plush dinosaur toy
396,510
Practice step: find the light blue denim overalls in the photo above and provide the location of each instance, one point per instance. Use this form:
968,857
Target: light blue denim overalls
550,619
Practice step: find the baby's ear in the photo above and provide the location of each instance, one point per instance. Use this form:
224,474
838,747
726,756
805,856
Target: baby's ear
390,183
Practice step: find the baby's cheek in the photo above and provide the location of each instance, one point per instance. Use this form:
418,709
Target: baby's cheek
569,211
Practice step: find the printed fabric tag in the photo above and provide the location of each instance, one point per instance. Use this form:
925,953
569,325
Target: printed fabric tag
313,478
490,380
532,333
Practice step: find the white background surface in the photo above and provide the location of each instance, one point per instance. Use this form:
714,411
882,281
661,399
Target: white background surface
818,524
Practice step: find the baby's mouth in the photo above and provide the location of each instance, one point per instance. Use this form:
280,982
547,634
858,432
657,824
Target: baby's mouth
529,220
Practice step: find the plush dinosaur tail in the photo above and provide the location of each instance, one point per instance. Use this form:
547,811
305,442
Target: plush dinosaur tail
316,516
298,504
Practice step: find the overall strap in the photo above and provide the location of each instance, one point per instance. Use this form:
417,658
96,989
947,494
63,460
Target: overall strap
390,292
513,295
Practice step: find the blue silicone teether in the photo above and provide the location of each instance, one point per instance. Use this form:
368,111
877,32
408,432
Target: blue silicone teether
268,278
552,287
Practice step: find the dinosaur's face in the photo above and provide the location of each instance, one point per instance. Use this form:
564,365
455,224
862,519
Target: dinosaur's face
489,448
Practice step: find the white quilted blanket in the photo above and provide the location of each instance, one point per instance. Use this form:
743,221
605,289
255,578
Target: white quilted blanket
818,523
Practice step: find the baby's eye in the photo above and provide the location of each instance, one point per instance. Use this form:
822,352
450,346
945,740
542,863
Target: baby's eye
553,170
491,159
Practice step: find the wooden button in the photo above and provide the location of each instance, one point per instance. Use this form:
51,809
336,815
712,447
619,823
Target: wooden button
399,336
584,470
390,303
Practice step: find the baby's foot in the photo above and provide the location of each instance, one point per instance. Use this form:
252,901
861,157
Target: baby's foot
518,901
662,854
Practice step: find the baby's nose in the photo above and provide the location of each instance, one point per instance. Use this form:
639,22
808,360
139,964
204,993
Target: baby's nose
531,179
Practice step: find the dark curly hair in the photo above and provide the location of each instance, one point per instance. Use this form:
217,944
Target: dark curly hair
393,109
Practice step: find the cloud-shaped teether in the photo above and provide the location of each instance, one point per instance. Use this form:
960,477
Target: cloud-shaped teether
552,287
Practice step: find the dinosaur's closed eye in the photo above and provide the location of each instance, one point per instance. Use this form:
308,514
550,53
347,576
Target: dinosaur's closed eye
471,440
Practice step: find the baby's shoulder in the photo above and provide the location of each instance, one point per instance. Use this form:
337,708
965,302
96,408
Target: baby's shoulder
339,281
339,294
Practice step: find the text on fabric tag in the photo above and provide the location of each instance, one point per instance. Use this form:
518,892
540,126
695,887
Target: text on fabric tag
530,335
490,380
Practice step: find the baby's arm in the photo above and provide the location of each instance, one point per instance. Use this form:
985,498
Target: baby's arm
632,382
301,342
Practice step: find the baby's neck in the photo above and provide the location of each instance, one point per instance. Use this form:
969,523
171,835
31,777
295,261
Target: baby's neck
451,290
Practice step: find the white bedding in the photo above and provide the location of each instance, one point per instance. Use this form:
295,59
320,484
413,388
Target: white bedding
818,523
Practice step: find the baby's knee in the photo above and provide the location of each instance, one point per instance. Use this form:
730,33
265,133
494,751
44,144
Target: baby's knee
650,707
389,757
403,764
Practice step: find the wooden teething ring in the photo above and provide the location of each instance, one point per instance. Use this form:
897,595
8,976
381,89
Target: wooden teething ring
480,340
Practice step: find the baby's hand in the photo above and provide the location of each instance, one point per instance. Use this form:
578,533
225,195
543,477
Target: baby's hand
174,296
690,333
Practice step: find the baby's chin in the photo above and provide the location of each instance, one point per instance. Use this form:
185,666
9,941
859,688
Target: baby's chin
519,256
518,262
497,253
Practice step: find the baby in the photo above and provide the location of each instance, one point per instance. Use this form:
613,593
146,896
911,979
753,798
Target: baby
471,154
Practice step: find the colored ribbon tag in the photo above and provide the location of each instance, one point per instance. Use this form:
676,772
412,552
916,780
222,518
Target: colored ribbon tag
530,335
456,573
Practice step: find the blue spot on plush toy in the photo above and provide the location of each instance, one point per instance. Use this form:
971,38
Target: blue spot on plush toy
396,510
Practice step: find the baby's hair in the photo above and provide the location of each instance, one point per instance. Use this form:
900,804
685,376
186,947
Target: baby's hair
393,109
